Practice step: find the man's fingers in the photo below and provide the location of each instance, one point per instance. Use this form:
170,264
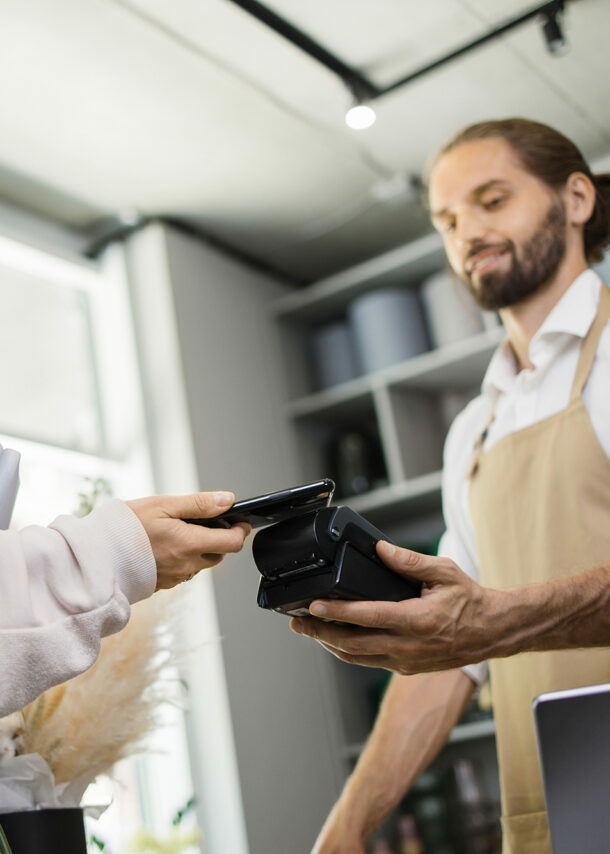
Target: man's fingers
347,641
366,614
379,661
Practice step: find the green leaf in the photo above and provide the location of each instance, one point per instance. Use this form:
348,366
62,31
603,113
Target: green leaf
5,848
177,819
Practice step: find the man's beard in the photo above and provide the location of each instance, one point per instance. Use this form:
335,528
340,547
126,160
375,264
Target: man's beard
539,260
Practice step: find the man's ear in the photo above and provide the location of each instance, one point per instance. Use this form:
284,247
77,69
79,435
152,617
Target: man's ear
579,198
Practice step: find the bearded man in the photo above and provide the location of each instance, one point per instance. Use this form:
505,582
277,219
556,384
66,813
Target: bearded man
524,564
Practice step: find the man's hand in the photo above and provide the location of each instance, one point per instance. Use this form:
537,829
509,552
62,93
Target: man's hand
339,835
449,626
180,549
416,715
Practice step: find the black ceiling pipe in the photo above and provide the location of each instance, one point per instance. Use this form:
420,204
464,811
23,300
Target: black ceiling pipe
360,86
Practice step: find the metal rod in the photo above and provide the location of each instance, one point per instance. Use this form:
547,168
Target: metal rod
547,8
359,85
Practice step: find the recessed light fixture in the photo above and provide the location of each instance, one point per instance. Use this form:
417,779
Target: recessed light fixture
363,90
360,117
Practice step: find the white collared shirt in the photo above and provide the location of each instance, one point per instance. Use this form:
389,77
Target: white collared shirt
524,398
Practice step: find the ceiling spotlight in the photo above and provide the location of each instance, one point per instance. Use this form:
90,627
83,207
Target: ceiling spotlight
129,217
553,34
360,117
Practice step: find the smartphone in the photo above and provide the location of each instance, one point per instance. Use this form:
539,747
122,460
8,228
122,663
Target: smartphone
274,506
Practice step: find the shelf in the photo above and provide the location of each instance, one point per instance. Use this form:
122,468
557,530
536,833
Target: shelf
450,367
418,495
460,733
342,398
473,730
328,298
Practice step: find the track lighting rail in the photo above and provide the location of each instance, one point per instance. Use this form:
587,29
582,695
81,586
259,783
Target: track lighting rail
363,89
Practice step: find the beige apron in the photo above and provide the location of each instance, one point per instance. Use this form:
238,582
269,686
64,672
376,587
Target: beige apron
540,504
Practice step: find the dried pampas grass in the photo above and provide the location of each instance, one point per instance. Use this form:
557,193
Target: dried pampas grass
83,727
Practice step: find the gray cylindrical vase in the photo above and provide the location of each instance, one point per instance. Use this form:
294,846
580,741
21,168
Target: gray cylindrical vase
450,309
333,354
388,327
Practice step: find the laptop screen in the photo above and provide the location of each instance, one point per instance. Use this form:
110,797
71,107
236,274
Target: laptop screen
573,732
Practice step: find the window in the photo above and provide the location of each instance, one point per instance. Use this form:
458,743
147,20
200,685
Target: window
71,404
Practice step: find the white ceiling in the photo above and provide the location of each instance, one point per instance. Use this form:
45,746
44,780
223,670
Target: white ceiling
193,109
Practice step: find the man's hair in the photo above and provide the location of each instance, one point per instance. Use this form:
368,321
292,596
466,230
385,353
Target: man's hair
552,158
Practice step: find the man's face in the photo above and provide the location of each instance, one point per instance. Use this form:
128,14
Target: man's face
504,230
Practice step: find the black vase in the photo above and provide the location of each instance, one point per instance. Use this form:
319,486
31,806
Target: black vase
46,831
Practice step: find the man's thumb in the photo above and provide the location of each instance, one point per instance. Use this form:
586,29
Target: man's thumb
407,562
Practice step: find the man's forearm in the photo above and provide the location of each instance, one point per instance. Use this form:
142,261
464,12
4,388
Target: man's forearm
414,721
565,613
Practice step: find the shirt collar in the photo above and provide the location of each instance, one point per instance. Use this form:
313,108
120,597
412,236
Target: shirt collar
573,315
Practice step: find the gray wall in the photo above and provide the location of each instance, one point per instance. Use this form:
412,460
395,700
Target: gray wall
280,688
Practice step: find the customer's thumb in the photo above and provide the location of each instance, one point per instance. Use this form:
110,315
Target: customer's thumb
199,505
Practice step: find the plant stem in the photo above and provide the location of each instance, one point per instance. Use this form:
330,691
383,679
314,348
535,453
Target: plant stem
5,848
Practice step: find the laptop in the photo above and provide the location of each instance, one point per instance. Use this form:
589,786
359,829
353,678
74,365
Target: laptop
573,732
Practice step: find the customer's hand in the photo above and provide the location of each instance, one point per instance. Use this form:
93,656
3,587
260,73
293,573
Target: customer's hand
180,549
452,624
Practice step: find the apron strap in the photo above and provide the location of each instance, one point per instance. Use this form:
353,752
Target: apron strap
583,369
590,343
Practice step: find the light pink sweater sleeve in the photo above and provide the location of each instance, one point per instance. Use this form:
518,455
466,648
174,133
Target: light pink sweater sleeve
63,588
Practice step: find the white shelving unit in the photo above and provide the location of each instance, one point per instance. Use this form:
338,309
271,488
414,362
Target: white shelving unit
467,732
408,264
406,407
472,731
